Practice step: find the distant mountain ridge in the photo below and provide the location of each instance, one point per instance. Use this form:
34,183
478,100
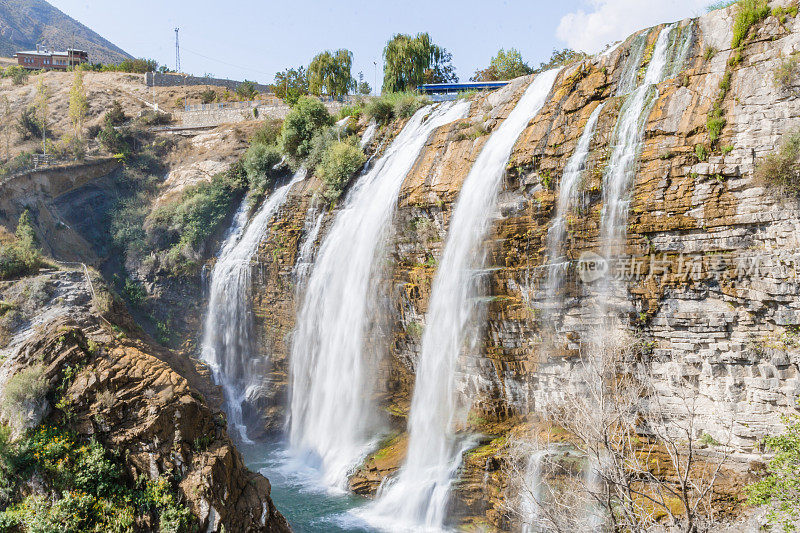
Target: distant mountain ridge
26,23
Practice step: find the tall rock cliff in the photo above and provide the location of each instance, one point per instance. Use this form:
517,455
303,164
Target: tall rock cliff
711,282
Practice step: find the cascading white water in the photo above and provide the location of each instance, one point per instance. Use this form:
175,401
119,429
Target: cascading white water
369,133
627,146
682,43
531,495
567,195
417,498
305,255
332,420
630,71
227,334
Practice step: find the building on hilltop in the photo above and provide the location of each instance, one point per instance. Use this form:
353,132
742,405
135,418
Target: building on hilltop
47,60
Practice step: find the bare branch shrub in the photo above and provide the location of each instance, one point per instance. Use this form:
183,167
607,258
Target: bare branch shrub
629,457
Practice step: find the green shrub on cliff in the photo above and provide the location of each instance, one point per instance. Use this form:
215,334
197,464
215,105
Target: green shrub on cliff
308,116
340,161
395,105
786,73
748,14
780,171
268,133
260,162
127,221
780,489
22,396
21,256
353,110
81,487
183,227
319,145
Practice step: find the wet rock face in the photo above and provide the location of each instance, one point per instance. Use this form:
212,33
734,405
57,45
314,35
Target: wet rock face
134,402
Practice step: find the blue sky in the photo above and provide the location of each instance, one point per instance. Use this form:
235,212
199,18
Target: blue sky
253,39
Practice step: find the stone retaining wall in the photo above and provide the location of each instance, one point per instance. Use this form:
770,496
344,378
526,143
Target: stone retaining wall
257,110
160,79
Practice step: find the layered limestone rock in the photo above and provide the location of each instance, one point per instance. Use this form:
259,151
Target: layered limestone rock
712,290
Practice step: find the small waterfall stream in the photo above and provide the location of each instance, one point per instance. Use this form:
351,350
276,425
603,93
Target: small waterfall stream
417,498
567,196
671,47
227,345
628,81
531,496
627,146
333,423
305,255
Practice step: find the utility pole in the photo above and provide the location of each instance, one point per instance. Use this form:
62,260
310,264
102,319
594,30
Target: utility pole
375,63
177,51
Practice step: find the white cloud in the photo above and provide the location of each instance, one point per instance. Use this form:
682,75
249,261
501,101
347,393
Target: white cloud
607,21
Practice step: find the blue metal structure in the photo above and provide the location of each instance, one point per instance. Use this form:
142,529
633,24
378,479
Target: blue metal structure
451,88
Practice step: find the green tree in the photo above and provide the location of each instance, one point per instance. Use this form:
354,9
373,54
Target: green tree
23,255
116,115
137,66
78,104
329,73
340,161
247,90
304,120
208,96
780,489
25,234
291,84
363,87
17,74
6,122
506,65
561,57
42,104
413,61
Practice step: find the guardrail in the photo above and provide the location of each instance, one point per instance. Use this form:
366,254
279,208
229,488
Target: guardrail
232,105
44,160
214,106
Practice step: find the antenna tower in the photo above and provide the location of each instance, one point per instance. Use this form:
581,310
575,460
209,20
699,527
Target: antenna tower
177,51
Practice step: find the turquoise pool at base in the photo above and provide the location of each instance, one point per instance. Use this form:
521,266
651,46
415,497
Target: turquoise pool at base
309,507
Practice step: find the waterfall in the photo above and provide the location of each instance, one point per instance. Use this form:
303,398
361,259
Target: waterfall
305,255
628,80
567,194
417,497
532,494
227,345
627,145
369,133
682,39
332,418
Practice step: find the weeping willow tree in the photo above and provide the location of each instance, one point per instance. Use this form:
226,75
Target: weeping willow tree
329,73
412,61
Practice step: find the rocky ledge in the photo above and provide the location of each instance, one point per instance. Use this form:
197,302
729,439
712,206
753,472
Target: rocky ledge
99,385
